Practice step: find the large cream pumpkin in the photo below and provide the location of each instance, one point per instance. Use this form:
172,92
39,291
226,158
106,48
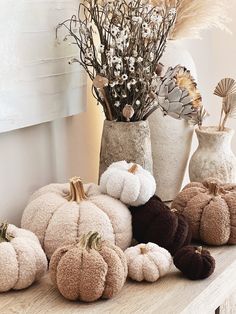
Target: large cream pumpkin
60,213
128,182
22,260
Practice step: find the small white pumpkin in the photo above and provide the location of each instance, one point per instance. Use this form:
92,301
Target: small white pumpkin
22,260
148,262
61,213
128,182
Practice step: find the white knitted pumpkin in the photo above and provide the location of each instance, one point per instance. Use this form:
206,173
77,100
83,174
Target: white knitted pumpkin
60,213
128,182
148,262
22,260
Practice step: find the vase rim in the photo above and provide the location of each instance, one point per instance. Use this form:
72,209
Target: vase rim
213,130
127,123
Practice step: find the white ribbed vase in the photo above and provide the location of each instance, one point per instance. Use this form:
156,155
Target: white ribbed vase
213,157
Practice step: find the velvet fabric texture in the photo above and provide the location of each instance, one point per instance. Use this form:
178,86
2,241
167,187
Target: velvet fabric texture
194,262
210,208
155,222
88,274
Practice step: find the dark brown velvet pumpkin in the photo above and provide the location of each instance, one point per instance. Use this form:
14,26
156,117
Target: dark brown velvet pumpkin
156,222
194,262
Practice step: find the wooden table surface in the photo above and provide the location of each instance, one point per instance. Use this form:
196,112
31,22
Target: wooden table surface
170,295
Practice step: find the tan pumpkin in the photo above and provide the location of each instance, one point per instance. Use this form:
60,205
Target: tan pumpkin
89,269
148,262
60,213
210,208
22,260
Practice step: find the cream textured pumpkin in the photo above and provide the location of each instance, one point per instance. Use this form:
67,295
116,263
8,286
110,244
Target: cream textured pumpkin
22,260
148,262
128,182
60,213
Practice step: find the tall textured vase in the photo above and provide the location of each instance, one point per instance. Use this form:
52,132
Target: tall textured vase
171,139
128,141
213,157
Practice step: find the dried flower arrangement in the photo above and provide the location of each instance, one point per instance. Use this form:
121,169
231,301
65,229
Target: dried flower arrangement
124,66
226,89
196,15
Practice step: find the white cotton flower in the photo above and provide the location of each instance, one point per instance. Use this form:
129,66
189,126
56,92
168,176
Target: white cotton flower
114,30
140,59
138,102
118,66
146,33
145,25
117,104
131,68
131,60
117,73
114,59
90,55
172,11
124,77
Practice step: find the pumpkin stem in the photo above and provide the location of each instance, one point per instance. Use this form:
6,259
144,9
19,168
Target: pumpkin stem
77,193
143,249
133,169
174,210
4,236
199,250
89,241
215,189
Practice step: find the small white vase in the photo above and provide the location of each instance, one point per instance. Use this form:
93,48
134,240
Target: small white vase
213,157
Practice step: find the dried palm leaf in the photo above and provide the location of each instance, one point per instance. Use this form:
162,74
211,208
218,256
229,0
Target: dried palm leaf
230,106
195,15
225,87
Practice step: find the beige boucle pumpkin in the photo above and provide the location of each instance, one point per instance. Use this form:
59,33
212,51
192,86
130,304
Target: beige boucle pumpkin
60,213
210,208
22,260
88,269
148,262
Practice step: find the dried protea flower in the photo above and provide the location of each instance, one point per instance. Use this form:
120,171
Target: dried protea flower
178,95
128,112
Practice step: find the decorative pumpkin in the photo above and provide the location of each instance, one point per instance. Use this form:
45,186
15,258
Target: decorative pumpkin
60,213
210,208
128,182
22,260
89,269
155,222
194,262
148,262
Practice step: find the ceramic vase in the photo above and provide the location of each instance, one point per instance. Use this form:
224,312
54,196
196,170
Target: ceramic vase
128,141
213,157
171,139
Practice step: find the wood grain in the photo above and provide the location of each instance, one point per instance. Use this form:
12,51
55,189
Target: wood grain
170,295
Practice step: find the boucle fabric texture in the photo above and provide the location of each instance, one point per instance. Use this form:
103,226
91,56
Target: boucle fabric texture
194,262
128,182
56,221
88,275
22,260
210,208
148,262
155,222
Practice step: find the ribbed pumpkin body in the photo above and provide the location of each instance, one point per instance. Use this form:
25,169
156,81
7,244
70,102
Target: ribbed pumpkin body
88,274
22,260
155,222
210,208
56,221
194,262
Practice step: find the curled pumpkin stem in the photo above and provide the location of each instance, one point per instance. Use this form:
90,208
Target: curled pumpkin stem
133,169
215,189
143,249
4,235
199,250
89,241
77,193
